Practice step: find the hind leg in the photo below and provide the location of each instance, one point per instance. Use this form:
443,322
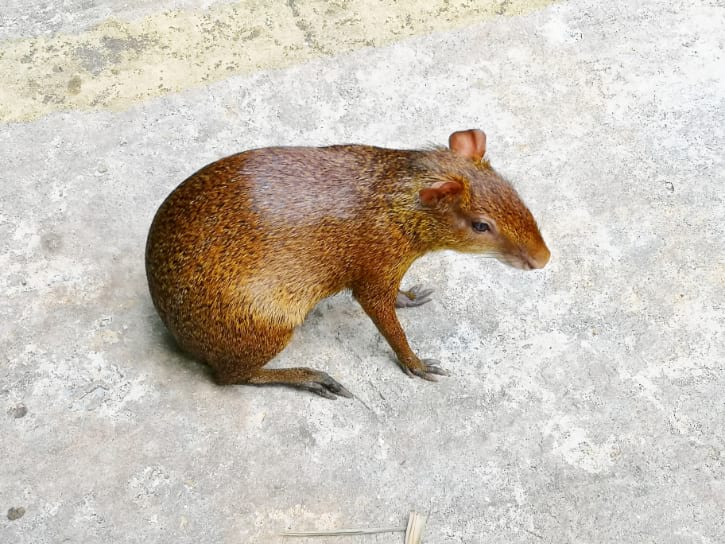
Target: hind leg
254,349
305,378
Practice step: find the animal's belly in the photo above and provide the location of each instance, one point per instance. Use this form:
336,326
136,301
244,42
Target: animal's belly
283,299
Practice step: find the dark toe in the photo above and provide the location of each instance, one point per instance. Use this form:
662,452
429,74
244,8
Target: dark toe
333,386
433,366
415,296
339,389
403,301
425,375
419,292
319,389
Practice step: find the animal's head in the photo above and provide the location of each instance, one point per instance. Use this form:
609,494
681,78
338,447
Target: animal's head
480,211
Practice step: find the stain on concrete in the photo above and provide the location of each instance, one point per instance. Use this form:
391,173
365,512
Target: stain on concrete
117,64
16,513
74,85
51,242
19,411
306,29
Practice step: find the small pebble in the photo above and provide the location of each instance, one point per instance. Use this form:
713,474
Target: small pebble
19,411
16,513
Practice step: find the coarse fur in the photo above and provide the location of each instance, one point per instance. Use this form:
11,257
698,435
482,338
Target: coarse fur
241,251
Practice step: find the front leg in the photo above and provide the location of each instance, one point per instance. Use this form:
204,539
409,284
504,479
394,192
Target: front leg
380,306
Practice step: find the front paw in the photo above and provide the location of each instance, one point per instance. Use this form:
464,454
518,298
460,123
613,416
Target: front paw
427,369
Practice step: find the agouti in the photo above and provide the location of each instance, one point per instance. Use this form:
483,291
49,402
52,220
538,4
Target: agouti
241,251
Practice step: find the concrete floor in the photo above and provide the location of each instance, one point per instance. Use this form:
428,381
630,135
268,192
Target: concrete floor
586,401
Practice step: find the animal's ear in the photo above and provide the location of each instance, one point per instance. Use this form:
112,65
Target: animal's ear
431,196
468,143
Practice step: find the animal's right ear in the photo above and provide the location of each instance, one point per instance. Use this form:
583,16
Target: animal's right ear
431,196
468,143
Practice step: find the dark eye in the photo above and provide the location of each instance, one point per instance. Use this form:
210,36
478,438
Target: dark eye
480,226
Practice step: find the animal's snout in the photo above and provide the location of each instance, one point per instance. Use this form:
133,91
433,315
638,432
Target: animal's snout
538,258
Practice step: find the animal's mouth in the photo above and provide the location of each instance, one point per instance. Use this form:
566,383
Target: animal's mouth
513,261
524,262
521,263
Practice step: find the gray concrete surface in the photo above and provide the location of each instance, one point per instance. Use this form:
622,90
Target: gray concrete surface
586,402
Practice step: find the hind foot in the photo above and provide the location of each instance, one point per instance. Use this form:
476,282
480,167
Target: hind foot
415,296
315,381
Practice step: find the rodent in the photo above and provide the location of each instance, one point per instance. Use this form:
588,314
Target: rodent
242,250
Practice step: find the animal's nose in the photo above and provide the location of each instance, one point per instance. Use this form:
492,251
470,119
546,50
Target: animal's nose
539,258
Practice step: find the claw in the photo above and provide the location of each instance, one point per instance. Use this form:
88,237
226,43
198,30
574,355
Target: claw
328,387
431,369
433,366
320,390
423,374
415,296
420,292
337,388
406,370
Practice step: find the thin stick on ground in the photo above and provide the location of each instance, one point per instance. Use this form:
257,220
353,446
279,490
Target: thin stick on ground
416,526
413,532
345,532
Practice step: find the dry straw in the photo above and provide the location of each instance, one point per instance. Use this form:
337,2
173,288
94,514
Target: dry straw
413,532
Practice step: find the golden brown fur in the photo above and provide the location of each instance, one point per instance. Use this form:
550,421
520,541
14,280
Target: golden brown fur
241,251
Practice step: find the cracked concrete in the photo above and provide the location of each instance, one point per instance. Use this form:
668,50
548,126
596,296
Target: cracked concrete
117,62
586,400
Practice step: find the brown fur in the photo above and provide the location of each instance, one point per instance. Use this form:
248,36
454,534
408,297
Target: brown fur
242,250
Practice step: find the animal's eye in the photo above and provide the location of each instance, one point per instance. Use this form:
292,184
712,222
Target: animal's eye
480,226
